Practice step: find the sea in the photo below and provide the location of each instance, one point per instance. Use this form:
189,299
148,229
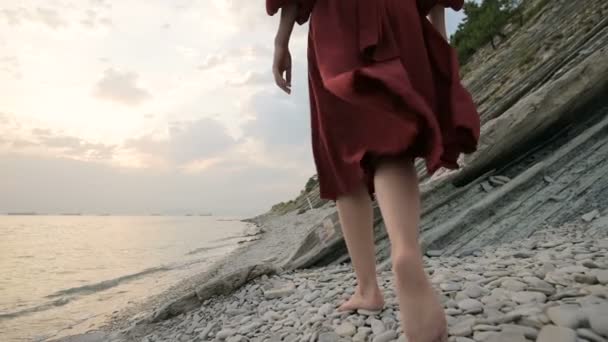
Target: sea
61,273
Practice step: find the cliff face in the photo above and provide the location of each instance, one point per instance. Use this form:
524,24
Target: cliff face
542,97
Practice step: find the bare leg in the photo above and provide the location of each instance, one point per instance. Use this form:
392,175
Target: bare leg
422,316
356,217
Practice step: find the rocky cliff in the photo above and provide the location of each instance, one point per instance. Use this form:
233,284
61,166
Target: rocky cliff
542,96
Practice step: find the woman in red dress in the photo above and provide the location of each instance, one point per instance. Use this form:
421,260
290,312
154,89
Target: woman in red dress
384,89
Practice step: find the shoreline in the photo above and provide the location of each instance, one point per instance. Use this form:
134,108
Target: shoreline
279,236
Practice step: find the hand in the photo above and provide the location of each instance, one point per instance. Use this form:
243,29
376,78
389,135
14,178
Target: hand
282,65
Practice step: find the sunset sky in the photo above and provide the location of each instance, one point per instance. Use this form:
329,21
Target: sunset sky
134,107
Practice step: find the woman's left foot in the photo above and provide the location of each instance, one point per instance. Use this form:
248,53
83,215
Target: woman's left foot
372,301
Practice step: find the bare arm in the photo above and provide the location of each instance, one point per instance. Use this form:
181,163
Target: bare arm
437,18
282,57
289,14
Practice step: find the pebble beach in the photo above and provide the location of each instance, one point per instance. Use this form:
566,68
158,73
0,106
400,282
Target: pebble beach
552,287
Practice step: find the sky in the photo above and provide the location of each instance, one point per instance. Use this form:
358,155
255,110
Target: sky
138,107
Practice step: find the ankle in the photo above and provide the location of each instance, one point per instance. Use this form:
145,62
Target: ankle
408,267
369,290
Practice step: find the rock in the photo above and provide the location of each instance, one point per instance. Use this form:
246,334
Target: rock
346,329
450,287
225,333
552,333
326,309
513,285
567,315
484,335
434,253
486,327
602,276
586,279
386,336
360,337
528,332
312,296
499,180
462,329
486,186
329,337
473,291
470,304
283,290
237,338
598,320
523,255
508,336
590,335
182,305
368,312
524,297
590,216
377,326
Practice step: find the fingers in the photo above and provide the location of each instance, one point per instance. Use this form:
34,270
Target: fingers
284,84
288,75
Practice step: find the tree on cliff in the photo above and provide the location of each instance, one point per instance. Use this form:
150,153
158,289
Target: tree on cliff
484,21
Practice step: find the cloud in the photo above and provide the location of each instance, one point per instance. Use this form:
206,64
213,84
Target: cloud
120,87
93,20
51,18
280,119
10,65
68,145
253,78
212,61
187,142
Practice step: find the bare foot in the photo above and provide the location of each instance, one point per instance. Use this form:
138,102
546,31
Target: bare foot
421,311
373,301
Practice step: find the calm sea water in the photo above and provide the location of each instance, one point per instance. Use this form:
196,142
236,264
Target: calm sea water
58,272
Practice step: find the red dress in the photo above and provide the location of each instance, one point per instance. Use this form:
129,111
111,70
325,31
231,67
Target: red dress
382,82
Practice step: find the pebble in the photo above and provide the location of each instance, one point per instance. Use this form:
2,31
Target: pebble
589,335
567,315
329,337
377,326
386,336
552,333
470,304
524,297
346,329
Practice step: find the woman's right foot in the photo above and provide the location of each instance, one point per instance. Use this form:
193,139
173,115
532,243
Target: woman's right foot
372,300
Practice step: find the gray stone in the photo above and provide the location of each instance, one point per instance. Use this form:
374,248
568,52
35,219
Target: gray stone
225,333
329,337
462,329
484,335
589,335
552,333
590,216
567,315
450,287
507,336
386,336
528,332
473,291
513,285
470,304
377,326
524,297
586,279
368,312
602,276
486,327
346,329
599,322
281,291
326,309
